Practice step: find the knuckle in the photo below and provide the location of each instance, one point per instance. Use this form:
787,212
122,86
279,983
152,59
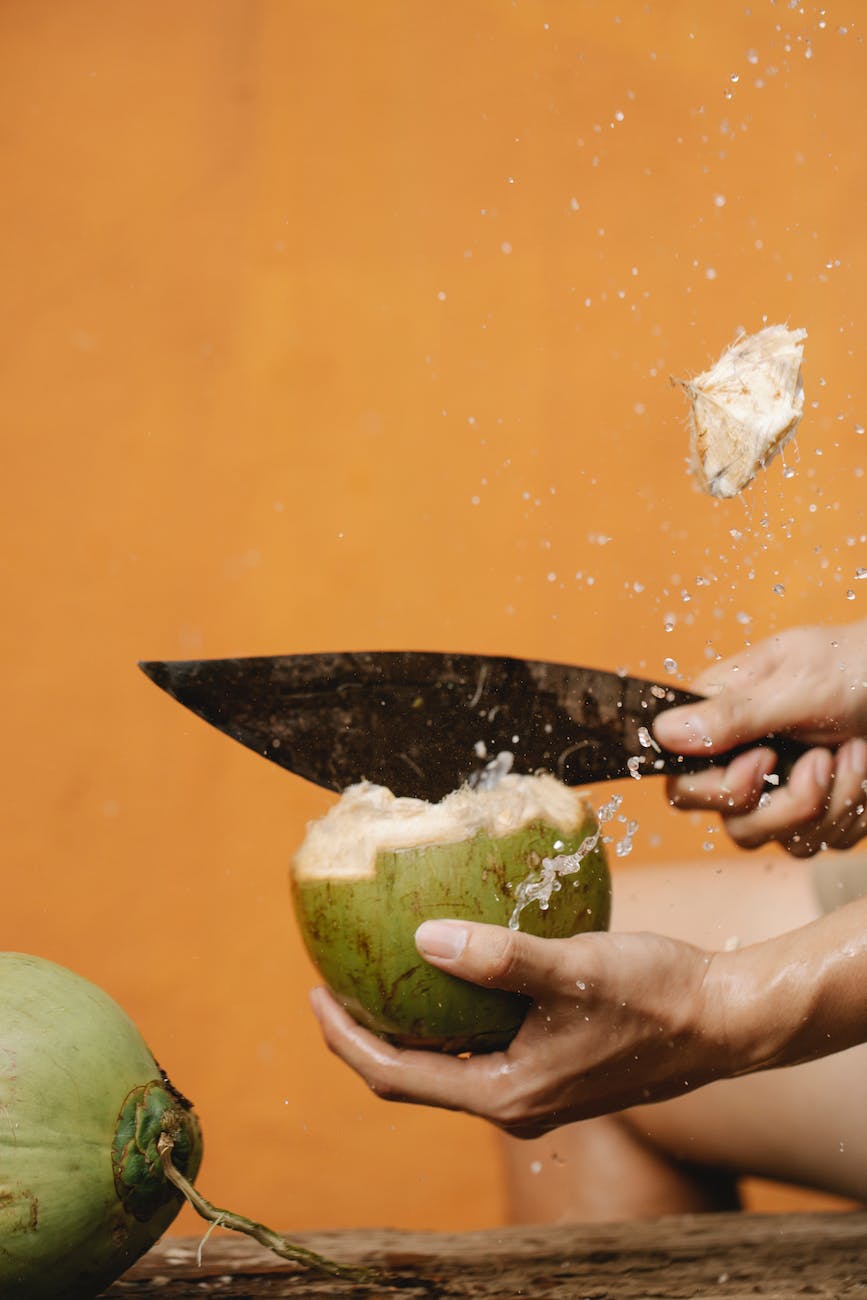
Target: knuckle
808,810
788,641
505,956
506,1101
733,713
739,802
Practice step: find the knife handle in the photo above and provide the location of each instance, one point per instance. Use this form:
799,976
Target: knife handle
787,749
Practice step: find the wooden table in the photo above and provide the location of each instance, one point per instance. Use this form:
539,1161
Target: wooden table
731,1255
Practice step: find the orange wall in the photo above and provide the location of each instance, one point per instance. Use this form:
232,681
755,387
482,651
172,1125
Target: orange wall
351,325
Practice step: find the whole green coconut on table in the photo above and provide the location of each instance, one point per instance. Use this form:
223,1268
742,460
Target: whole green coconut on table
82,1106
97,1149
376,866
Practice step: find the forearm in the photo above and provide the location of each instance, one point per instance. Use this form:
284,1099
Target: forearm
796,997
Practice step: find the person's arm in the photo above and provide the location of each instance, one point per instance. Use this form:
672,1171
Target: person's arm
810,683
619,1020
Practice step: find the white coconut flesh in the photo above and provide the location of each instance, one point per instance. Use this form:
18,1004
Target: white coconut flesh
369,819
745,409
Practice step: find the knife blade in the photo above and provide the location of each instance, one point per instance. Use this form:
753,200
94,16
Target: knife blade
422,723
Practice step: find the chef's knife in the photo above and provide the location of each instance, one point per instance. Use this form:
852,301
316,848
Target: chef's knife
422,723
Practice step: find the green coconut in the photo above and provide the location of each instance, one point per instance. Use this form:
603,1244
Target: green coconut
97,1149
525,851
82,1106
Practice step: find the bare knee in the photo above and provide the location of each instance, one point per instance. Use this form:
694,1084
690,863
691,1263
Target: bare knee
603,1170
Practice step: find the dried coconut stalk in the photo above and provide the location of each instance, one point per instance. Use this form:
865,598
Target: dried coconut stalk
745,408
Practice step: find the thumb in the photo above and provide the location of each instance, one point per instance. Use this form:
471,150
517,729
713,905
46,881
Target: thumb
491,954
733,717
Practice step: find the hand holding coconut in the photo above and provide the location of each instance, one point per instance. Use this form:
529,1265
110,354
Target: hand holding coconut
620,1020
600,1004
810,683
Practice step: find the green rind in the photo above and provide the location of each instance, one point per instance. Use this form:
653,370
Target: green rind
69,1057
360,933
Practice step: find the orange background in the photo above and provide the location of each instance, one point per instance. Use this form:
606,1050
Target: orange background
334,325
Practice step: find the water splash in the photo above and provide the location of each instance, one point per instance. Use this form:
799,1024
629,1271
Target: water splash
547,879
623,847
494,771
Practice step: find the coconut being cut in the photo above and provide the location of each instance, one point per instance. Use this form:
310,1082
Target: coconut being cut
375,866
746,408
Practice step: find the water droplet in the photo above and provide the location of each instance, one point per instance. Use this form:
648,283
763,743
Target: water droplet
670,665
645,739
779,589
850,595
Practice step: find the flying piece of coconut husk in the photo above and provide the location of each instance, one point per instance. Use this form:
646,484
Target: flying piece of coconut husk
745,409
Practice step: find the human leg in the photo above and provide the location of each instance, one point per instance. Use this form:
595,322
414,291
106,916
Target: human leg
604,1170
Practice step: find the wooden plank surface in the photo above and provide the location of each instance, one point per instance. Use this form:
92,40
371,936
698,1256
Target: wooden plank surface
724,1255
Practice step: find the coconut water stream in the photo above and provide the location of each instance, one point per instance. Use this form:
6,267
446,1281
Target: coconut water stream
548,878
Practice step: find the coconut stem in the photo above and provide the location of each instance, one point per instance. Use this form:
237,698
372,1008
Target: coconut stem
238,1223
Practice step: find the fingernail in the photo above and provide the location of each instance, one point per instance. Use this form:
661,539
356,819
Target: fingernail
856,755
441,938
